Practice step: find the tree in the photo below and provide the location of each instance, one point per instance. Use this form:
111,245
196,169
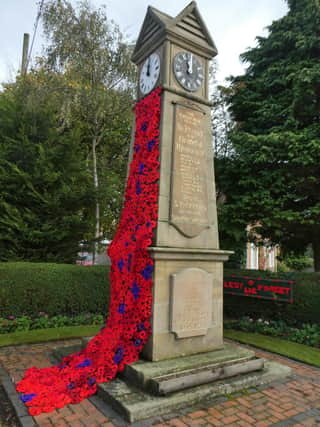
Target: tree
45,199
221,123
90,52
221,126
273,177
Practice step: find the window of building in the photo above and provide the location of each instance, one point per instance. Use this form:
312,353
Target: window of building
271,258
254,257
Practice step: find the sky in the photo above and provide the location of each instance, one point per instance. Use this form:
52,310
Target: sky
233,25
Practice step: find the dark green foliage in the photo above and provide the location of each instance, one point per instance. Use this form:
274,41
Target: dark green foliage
64,136
30,288
306,334
41,320
304,309
91,53
45,188
273,176
294,263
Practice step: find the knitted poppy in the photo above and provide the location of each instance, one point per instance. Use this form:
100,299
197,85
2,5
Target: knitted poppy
128,327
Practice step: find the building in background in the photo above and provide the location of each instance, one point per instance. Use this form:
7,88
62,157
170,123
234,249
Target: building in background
261,255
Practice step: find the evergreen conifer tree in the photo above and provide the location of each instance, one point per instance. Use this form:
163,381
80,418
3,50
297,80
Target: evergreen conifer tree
272,177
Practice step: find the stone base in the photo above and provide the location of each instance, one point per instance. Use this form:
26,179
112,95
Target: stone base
135,404
168,376
147,389
187,297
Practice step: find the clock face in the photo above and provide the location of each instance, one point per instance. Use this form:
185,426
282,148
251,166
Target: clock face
149,74
188,70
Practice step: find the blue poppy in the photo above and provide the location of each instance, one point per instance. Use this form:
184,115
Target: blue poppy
26,397
118,356
147,272
141,168
84,364
120,265
140,327
138,188
129,261
91,381
144,126
151,144
135,290
121,308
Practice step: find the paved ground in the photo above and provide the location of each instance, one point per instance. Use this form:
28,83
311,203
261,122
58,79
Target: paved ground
293,403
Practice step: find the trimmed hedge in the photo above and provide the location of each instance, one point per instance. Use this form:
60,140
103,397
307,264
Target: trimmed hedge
30,288
304,309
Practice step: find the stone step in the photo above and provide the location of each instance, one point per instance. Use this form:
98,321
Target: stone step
170,383
59,352
183,382
135,404
170,375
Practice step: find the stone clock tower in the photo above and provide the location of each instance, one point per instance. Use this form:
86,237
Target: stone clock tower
187,297
187,360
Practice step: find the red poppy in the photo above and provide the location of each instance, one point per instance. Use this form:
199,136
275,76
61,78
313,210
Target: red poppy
128,328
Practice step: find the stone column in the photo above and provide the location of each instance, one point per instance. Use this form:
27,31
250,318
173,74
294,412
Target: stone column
188,275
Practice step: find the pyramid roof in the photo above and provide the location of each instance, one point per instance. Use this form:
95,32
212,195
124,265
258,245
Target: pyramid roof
188,26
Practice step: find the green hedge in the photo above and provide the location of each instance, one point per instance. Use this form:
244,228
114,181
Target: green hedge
306,297
30,288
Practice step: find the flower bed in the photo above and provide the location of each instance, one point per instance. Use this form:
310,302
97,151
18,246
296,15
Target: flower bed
305,333
43,321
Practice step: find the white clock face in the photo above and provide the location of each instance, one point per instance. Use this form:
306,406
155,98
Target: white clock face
149,74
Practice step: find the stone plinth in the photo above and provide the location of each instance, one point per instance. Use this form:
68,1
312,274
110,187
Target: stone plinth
131,397
168,376
187,302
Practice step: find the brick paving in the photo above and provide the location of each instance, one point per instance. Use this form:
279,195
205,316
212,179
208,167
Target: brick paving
295,402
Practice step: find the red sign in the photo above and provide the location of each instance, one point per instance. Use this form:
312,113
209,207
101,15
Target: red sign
277,290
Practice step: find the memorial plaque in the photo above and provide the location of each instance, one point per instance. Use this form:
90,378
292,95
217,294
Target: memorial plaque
191,302
189,188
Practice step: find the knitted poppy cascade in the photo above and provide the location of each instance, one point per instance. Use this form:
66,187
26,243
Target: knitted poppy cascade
128,326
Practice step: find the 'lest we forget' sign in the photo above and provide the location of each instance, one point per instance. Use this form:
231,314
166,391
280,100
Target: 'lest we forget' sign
277,290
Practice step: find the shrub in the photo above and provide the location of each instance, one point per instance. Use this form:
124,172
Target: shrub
56,289
43,321
295,263
304,309
307,334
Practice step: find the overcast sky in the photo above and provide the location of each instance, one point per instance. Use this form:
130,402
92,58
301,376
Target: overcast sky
233,25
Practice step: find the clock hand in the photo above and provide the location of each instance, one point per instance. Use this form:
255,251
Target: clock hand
148,67
190,63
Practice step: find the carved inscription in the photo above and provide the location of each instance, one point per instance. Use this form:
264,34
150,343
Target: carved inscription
189,190
191,302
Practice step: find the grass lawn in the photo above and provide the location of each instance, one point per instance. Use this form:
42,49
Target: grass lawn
300,352
52,334
295,351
